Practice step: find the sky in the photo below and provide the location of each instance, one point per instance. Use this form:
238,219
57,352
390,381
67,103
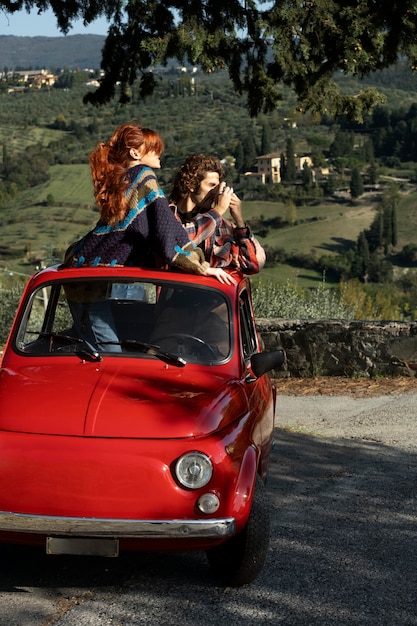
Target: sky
22,24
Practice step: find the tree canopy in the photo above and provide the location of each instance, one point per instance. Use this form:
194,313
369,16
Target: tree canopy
265,45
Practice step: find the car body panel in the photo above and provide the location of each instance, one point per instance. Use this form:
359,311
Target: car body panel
114,400
89,440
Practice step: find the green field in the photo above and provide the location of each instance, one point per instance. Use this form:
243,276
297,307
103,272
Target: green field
323,229
33,225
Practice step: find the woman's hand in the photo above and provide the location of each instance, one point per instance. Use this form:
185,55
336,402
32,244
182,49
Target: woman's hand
222,276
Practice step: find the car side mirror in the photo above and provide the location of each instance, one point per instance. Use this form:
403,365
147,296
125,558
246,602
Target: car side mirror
263,362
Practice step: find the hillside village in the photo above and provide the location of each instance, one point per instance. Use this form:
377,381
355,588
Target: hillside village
18,81
266,169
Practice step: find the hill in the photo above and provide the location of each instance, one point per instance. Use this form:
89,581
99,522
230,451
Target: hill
71,51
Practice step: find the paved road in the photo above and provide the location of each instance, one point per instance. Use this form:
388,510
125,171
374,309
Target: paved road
343,489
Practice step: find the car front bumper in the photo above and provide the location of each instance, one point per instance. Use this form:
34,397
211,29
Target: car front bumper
121,528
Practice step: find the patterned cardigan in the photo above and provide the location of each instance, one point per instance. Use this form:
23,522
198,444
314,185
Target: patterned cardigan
148,236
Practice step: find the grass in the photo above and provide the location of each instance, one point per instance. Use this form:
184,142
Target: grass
71,184
283,274
332,233
407,220
326,228
23,136
32,224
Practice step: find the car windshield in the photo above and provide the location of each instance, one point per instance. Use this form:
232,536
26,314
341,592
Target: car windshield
176,322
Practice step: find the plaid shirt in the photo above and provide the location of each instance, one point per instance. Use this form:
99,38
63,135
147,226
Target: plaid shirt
223,244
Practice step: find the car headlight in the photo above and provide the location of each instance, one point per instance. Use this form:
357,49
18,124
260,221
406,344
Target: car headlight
194,470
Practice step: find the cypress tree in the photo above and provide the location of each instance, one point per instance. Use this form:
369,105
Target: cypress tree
356,183
238,154
249,151
283,167
307,177
290,167
266,138
394,231
387,232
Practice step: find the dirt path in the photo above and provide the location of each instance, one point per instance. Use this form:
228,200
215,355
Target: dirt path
344,386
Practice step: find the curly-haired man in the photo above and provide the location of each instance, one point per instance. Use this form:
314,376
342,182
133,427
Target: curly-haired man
200,198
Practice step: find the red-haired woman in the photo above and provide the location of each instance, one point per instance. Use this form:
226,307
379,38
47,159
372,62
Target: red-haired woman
136,225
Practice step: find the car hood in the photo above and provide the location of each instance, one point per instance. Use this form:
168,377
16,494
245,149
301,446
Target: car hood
145,399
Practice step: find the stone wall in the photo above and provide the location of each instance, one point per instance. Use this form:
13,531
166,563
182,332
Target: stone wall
342,348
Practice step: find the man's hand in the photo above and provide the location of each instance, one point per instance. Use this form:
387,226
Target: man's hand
236,211
223,199
228,200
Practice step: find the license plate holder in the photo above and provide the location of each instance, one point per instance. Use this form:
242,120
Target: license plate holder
83,546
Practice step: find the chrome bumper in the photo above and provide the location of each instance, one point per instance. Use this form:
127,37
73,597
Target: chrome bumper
119,528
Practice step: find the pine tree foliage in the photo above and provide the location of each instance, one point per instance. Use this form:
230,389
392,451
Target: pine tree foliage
265,45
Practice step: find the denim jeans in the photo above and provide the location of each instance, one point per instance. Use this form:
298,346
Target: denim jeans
94,322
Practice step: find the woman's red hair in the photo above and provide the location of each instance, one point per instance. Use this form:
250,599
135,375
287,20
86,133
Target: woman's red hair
109,163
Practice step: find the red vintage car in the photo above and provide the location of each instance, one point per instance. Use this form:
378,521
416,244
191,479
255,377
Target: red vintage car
136,413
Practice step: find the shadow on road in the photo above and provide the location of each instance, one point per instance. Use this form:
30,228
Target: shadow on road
344,540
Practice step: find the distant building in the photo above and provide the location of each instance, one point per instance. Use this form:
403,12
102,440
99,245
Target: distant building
268,169
269,165
252,179
301,161
289,123
32,79
92,83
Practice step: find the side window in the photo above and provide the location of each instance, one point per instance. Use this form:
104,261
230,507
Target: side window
247,326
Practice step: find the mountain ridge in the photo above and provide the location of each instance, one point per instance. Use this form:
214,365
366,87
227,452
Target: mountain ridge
40,52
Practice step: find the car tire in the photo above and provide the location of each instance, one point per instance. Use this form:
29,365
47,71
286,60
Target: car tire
239,560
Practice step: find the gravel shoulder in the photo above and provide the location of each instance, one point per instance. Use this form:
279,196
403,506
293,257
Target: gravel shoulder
385,419
381,410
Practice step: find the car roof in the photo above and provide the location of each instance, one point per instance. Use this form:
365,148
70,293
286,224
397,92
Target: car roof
59,273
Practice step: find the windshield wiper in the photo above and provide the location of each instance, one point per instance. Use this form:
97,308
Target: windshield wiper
148,348
90,350
84,346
